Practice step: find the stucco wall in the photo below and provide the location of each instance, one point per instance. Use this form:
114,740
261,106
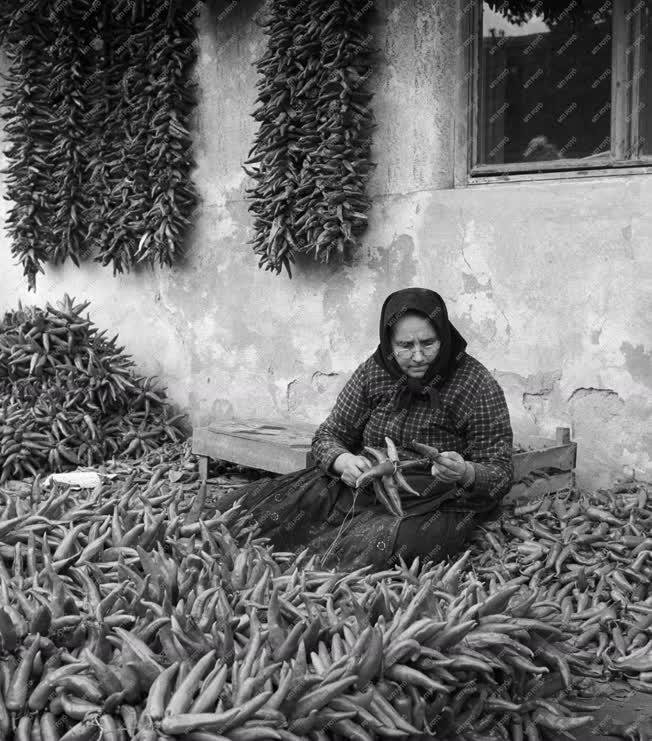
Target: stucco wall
551,283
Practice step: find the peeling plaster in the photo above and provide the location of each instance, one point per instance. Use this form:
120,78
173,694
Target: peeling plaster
543,383
317,381
481,321
602,394
311,397
599,416
472,284
541,390
638,362
627,236
543,394
475,247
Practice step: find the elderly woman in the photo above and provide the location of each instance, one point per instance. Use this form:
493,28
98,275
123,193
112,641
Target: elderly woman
419,385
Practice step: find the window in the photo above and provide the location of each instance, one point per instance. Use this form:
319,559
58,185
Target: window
555,87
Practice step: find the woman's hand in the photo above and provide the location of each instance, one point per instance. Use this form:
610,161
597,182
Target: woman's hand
350,467
451,467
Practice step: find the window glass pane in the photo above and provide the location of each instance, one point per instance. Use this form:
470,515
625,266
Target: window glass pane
545,82
641,76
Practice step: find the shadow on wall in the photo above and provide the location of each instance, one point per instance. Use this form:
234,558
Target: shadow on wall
227,17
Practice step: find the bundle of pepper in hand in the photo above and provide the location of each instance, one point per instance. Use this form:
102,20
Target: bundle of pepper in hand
70,396
387,476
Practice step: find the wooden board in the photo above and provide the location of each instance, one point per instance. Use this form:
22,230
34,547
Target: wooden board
282,447
267,445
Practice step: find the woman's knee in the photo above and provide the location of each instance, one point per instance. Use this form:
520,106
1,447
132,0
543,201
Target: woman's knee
441,535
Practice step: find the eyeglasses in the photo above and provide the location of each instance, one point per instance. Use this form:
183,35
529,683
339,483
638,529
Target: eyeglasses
429,347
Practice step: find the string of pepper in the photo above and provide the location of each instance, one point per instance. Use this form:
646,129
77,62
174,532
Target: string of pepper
98,107
169,153
26,110
150,211
311,156
104,89
72,57
126,197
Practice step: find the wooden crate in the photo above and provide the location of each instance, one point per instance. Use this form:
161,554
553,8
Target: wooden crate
281,447
555,457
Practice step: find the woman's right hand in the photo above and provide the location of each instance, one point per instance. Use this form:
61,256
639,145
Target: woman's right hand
350,467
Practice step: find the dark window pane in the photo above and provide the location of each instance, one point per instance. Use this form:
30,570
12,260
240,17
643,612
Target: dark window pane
641,77
545,84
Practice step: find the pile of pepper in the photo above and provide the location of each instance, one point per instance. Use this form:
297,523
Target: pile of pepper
97,106
124,615
588,558
311,155
69,395
121,618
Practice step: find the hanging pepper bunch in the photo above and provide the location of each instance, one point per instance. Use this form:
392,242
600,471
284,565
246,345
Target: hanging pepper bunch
30,135
151,197
172,197
98,108
73,60
11,12
311,156
105,88
121,214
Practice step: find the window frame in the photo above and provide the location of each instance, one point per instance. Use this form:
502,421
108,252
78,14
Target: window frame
624,98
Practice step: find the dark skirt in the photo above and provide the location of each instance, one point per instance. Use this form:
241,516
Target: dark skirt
349,529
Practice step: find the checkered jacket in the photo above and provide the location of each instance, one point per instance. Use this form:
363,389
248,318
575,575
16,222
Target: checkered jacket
473,420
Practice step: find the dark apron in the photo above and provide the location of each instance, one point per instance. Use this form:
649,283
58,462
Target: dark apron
349,529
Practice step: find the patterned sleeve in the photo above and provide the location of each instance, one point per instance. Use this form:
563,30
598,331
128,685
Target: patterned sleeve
341,432
489,449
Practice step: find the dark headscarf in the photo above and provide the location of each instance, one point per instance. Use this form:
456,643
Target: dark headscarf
451,352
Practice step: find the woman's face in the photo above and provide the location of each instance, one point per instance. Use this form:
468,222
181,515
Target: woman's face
415,344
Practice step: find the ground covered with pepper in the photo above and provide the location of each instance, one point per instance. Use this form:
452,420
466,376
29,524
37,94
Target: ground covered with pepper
126,615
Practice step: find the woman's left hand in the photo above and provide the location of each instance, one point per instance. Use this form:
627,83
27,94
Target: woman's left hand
450,466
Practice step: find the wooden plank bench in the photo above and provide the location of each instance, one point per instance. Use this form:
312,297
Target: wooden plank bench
282,447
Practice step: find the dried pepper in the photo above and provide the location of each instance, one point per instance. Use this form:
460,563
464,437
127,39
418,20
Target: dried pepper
106,89
121,213
172,198
122,620
311,156
98,107
70,396
148,212
73,60
26,110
